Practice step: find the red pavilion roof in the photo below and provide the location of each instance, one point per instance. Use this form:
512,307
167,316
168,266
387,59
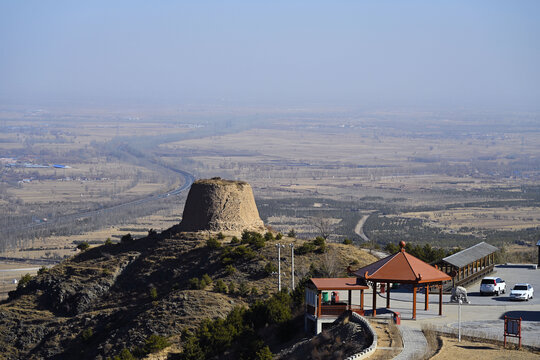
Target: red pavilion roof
339,283
401,267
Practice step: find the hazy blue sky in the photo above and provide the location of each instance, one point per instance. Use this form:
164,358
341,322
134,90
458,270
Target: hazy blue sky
453,53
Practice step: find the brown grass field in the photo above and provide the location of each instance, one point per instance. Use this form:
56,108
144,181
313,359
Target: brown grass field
452,349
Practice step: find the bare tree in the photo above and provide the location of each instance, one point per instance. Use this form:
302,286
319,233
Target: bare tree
302,270
322,225
331,265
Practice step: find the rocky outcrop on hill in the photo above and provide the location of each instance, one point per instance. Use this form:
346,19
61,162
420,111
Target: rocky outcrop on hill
116,296
220,205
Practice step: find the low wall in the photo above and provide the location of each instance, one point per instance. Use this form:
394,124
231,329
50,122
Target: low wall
364,354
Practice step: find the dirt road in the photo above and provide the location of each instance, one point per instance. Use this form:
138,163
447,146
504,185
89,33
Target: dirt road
359,228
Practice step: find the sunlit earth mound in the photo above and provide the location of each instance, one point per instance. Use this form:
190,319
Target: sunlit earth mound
220,205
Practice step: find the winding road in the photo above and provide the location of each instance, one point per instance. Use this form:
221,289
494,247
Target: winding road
359,228
188,180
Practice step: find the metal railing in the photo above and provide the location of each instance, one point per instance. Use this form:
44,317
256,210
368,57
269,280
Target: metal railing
471,278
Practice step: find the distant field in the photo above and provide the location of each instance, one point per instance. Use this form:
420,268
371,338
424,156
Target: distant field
459,177
491,218
58,247
9,272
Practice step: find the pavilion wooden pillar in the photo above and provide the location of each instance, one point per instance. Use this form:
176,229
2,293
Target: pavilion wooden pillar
374,299
388,295
362,299
350,299
318,304
414,302
426,306
440,299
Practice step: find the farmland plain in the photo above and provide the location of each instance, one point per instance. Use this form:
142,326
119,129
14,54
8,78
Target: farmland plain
449,178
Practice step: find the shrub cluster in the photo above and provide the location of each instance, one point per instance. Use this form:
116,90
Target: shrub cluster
270,268
200,284
220,287
229,269
230,254
152,344
253,238
25,279
83,246
87,334
213,243
243,289
317,245
126,239
237,333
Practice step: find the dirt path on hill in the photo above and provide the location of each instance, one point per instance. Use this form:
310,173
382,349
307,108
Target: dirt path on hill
359,228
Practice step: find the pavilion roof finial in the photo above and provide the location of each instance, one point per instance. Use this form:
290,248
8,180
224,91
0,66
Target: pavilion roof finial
402,245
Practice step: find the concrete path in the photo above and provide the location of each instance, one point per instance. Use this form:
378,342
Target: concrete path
414,343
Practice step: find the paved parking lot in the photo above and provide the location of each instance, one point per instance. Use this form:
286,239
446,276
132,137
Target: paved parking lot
512,275
484,314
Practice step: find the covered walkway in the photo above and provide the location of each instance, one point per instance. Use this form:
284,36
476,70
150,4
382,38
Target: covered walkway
468,265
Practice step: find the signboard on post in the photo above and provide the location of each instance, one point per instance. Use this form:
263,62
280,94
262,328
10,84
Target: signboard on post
512,328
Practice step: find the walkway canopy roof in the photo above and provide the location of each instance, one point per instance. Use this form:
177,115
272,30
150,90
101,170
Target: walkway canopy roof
469,255
401,267
339,283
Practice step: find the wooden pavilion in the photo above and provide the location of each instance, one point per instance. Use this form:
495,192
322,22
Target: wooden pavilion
403,268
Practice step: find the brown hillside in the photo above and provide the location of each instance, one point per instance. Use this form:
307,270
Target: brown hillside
121,294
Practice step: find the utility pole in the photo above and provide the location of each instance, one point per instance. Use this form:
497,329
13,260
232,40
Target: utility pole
292,265
279,246
459,319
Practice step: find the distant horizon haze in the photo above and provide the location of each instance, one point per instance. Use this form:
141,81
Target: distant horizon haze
379,54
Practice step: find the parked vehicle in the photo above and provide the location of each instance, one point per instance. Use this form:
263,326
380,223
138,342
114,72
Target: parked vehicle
492,285
522,292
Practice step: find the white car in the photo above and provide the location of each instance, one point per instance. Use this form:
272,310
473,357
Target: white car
492,285
522,292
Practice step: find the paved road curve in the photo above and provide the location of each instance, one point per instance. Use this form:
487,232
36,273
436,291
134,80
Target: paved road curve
188,181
